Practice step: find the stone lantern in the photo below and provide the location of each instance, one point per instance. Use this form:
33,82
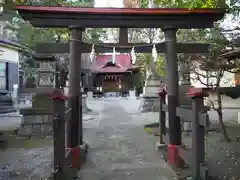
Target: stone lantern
45,74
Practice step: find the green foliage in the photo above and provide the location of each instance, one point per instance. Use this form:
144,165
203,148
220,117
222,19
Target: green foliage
160,65
30,36
144,61
138,80
56,2
186,3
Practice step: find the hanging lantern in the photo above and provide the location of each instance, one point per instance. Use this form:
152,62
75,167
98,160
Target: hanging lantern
92,55
133,56
114,55
154,53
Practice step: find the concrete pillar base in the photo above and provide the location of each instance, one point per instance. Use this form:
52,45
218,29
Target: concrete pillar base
78,156
174,158
160,146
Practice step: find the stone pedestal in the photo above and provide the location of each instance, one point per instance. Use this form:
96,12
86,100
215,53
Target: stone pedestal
90,95
42,101
85,109
150,99
37,120
132,94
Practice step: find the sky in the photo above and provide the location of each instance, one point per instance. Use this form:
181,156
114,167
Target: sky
108,3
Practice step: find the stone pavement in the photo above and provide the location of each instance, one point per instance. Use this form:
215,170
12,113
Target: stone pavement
119,147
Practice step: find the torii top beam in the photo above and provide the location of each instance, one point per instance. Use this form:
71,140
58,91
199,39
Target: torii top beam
65,16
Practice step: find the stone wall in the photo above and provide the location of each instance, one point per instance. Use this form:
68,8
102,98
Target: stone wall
35,122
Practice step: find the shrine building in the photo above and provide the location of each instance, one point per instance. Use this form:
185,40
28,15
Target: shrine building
113,76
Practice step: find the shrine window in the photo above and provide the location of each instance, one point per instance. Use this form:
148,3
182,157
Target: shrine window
3,77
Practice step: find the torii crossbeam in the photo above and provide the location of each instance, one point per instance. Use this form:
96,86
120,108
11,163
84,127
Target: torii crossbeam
53,48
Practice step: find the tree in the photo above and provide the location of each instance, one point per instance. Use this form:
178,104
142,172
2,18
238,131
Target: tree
186,3
30,36
213,66
211,62
151,36
210,65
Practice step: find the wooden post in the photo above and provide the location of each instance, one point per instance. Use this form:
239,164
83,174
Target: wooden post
75,97
58,134
173,99
123,35
162,114
198,131
57,75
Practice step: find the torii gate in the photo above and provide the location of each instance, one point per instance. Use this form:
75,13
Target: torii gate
78,18
122,46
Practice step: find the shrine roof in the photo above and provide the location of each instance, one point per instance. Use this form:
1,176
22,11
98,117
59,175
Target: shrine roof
123,60
64,16
104,64
111,70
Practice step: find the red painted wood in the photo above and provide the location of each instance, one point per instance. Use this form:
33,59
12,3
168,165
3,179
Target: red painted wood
119,11
123,64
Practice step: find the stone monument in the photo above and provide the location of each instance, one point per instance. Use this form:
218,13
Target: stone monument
185,84
149,98
45,81
37,120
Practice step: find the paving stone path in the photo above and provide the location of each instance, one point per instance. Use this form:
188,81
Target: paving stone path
119,147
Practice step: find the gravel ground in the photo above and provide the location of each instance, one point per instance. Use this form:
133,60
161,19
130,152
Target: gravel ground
222,158
119,148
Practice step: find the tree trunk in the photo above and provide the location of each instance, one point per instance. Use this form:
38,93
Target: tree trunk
220,115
